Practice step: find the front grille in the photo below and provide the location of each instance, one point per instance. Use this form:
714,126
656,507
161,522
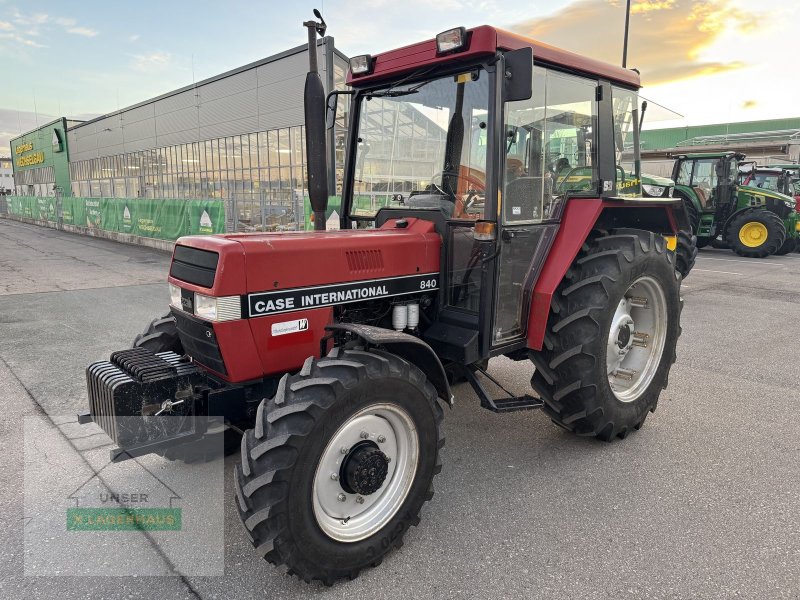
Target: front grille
199,340
126,388
194,265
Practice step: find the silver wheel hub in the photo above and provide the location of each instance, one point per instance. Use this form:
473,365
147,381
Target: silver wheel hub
365,472
636,339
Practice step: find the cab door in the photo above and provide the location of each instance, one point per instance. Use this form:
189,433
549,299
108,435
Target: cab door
552,132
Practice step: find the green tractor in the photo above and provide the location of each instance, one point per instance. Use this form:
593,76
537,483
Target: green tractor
753,222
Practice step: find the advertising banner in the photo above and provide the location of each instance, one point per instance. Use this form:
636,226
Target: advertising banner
146,217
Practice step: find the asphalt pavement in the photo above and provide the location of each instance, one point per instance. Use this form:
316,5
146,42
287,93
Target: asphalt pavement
703,502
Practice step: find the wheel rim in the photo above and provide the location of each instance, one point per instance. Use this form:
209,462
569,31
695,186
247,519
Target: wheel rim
344,514
636,339
753,234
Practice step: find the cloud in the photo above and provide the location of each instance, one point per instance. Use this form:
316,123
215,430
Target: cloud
6,26
667,37
84,31
152,61
133,38
21,40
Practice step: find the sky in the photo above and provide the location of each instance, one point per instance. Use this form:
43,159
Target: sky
710,61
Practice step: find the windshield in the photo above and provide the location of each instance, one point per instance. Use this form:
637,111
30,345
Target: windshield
423,146
767,181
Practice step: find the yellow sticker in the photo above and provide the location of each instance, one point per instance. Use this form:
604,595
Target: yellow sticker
464,78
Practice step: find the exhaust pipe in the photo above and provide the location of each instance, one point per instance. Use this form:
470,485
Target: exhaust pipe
314,108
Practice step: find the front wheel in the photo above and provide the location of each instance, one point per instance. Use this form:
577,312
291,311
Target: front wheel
339,464
790,245
611,336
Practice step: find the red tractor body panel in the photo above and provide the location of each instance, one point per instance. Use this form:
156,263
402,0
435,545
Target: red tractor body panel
485,41
271,262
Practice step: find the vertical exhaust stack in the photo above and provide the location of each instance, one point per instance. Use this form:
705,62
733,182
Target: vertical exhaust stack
314,107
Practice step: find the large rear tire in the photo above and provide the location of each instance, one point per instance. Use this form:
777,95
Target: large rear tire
296,491
692,214
611,336
756,234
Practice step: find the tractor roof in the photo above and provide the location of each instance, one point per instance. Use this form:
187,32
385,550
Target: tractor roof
486,41
708,155
785,166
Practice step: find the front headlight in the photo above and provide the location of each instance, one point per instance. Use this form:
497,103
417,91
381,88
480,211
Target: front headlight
174,295
224,308
655,191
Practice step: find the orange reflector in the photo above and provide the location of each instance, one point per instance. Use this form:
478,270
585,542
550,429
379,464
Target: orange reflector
672,242
485,231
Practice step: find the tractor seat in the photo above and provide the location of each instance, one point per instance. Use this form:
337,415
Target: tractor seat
702,196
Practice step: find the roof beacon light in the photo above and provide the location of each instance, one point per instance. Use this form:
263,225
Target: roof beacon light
451,40
361,65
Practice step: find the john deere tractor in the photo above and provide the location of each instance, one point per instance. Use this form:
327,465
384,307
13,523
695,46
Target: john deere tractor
753,222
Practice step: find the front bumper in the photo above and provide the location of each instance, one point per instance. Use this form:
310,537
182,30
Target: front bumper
145,401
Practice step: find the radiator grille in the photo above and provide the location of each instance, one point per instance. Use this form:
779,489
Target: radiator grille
194,265
199,340
364,261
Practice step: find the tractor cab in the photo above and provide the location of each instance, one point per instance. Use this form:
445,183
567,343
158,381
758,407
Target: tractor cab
487,140
793,170
754,220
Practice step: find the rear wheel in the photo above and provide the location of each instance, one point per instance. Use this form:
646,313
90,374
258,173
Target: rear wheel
790,245
756,234
339,464
611,336
692,214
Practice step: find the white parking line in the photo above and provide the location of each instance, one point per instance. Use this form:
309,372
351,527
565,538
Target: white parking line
746,262
710,271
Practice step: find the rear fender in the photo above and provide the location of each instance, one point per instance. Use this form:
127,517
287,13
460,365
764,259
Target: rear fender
581,216
406,346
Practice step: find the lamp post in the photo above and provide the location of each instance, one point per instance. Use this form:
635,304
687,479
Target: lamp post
625,39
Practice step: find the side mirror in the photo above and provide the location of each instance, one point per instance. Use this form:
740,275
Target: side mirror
332,104
518,75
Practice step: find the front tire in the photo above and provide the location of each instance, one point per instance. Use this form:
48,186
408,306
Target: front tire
294,488
790,245
611,336
685,252
160,336
756,234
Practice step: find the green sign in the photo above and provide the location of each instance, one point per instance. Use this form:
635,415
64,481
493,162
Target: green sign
145,217
123,519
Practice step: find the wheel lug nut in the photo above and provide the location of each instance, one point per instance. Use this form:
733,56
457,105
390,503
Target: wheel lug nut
342,497
344,449
359,499
381,439
364,435
334,476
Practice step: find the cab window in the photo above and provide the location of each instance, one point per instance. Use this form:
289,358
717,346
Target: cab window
550,146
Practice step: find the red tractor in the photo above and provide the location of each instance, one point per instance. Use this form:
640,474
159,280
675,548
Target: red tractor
331,353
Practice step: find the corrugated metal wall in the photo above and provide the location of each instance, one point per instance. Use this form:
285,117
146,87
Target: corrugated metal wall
656,139
262,96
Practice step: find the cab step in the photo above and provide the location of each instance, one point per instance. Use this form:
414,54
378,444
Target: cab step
506,404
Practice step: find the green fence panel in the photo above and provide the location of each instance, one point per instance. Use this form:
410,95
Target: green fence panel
93,210
46,209
163,219
205,216
334,204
